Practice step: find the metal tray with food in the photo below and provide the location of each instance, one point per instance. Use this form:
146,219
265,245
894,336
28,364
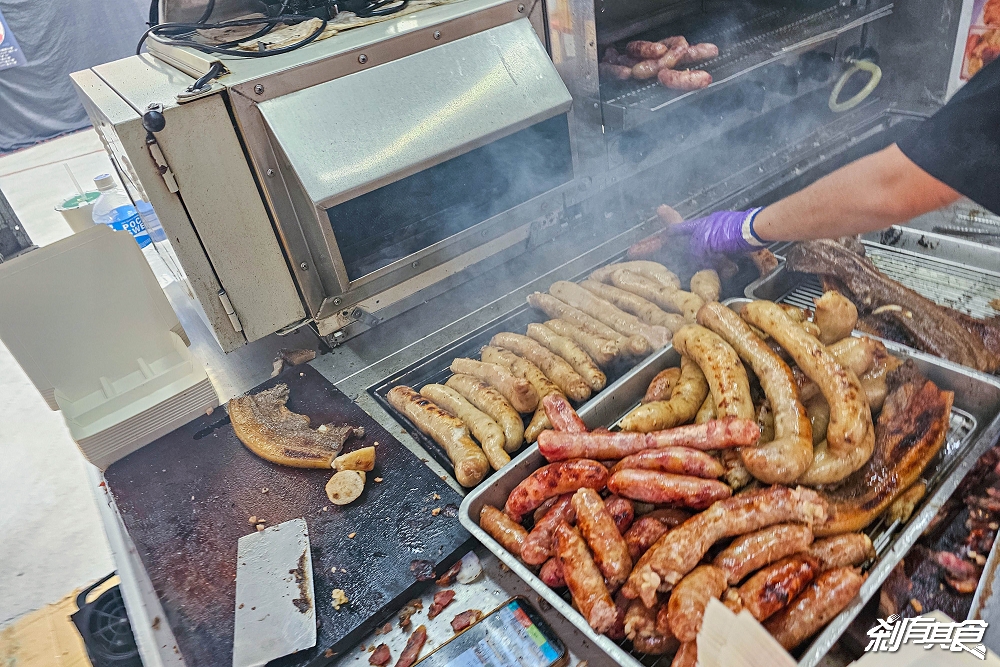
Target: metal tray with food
974,426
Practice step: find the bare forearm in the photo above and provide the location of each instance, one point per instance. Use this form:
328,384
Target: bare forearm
877,191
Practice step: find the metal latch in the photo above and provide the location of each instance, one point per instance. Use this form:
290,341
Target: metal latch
153,121
227,305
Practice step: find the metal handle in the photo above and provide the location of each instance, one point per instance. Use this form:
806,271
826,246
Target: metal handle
858,66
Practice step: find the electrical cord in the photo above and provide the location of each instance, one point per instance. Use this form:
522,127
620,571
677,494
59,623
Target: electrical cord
269,23
212,73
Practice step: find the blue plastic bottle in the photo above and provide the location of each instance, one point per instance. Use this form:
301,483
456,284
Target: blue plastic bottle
114,209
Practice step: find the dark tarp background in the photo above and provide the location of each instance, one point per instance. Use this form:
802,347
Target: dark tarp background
37,100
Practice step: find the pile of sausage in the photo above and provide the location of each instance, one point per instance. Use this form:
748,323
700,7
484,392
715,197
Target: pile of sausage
622,312
610,514
666,60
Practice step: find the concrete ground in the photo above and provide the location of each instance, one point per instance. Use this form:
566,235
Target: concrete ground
52,538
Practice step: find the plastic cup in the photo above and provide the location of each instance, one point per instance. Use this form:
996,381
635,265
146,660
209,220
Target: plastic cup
77,211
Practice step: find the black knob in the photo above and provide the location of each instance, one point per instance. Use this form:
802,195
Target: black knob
153,120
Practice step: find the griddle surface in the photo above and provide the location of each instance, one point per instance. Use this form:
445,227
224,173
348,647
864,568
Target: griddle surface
186,499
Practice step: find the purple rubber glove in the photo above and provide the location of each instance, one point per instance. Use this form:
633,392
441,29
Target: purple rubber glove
721,233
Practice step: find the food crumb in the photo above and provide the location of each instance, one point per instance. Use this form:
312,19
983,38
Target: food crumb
211,410
322,428
437,497
339,598
376,443
260,527
192,497
264,490
253,520
156,623
384,630
435,511
326,508
917,607
350,536
378,480
995,303
344,570
328,653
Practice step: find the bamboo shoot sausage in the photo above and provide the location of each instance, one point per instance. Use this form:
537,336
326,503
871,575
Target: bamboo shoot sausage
836,316
450,432
697,53
584,579
526,370
678,552
538,544
847,550
825,597
689,79
645,50
706,284
674,460
492,402
651,486
574,355
655,271
642,534
501,528
685,399
486,431
561,414
686,606
553,307
602,350
753,551
554,367
851,434
601,534
790,452
519,393
662,385
670,299
706,412
553,480
727,379
645,310
771,589
622,322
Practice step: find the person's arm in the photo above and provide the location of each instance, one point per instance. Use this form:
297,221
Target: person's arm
872,193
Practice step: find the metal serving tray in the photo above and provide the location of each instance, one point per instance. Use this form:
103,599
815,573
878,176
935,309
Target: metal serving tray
975,426
951,272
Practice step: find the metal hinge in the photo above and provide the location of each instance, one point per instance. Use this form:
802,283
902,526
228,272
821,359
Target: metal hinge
228,307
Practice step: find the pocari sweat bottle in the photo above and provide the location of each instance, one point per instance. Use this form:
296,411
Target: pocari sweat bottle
114,209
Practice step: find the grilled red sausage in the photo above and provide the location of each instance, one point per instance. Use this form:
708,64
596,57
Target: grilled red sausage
553,480
538,544
651,486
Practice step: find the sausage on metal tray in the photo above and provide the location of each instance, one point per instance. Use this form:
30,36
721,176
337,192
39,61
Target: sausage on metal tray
538,544
602,350
636,346
642,49
688,79
727,378
771,589
706,284
503,529
714,434
674,460
850,436
450,432
555,367
652,270
574,355
650,486
645,310
836,316
620,72
642,627
685,399
552,574
518,392
790,452
584,579
487,432
525,370
642,534
602,446
608,313
753,551
686,606
662,385
553,480
701,52
825,597
846,550
622,511
687,655
492,402
671,299
562,415
680,550
602,536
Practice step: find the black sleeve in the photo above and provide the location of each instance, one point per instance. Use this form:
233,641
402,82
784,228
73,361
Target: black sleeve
960,144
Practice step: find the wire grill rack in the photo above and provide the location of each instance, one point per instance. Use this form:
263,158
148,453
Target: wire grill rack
745,43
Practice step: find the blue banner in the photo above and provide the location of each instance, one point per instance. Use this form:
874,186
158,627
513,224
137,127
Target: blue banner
10,52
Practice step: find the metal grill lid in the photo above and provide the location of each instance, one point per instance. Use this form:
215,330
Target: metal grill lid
343,139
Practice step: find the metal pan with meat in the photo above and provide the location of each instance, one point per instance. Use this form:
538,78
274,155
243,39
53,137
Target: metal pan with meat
479,401
748,523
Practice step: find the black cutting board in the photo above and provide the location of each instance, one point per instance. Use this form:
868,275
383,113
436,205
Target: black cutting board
186,500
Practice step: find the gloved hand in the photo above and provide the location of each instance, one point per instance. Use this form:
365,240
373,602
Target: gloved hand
722,232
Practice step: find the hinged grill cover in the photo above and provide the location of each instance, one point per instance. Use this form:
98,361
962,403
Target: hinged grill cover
357,133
